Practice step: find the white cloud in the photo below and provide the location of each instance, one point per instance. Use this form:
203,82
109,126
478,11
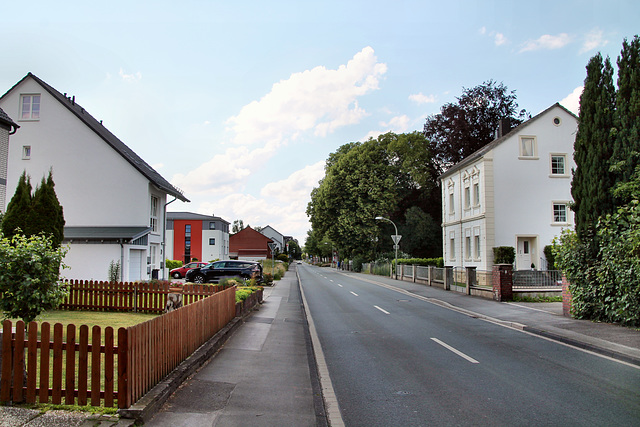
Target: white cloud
158,166
318,100
482,30
499,39
130,77
296,186
547,42
420,98
593,40
397,124
572,101
225,172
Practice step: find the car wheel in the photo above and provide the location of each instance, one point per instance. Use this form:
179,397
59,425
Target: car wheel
199,279
176,275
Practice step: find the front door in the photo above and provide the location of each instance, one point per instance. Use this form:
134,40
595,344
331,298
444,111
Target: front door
526,253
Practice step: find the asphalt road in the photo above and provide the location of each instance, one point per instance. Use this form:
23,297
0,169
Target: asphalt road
395,360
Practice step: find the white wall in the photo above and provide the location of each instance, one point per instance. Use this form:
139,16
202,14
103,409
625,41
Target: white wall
90,261
95,185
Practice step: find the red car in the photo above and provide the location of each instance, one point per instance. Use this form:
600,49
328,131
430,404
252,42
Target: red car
178,273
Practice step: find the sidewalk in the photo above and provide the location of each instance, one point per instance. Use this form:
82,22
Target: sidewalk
260,377
543,319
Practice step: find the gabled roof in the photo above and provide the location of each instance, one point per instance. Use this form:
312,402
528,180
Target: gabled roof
6,120
147,171
490,146
193,216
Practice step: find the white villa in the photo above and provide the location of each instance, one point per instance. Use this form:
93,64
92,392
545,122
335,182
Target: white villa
113,201
515,191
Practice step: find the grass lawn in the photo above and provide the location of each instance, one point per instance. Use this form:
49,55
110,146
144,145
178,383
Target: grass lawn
92,318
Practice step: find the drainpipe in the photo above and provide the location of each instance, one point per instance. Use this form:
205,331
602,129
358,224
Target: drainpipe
164,235
121,261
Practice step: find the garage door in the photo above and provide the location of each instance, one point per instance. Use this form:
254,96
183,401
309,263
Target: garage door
135,264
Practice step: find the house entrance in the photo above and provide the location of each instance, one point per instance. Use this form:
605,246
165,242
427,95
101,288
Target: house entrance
525,255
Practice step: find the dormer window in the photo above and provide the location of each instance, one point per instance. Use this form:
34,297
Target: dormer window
30,107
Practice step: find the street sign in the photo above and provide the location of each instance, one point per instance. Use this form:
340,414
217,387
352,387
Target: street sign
396,238
395,247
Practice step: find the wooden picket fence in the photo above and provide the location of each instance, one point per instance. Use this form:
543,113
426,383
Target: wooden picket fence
100,367
139,297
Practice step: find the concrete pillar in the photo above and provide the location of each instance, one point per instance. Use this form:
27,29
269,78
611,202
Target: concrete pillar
566,298
471,278
502,282
448,278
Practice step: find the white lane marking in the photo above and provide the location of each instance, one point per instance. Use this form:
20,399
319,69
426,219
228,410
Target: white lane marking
331,280
353,293
458,352
340,285
382,310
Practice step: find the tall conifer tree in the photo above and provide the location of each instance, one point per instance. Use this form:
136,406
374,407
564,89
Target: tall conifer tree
627,143
46,214
592,180
16,216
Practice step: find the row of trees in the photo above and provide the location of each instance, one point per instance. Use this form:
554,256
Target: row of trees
396,176
602,257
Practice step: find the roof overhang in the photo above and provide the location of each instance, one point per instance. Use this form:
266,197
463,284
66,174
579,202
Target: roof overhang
114,234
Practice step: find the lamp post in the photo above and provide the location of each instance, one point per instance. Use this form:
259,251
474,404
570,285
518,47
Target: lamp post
332,253
396,240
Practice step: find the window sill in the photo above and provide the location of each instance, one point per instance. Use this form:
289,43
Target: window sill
560,224
528,158
28,120
559,176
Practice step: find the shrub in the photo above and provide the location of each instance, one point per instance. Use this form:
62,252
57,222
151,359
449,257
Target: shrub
173,263
114,271
282,257
435,262
504,255
549,255
357,263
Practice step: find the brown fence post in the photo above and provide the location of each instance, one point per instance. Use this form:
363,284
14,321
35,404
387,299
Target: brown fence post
566,298
123,369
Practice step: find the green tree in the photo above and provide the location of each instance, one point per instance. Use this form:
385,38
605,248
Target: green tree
463,127
29,276
626,151
592,179
15,218
238,225
46,214
356,188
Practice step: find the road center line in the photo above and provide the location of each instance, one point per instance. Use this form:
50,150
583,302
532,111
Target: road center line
353,293
382,310
340,285
458,352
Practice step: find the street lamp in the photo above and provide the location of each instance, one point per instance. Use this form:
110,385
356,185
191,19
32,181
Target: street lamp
332,253
396,240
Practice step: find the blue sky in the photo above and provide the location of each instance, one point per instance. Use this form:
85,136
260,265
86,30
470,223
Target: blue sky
239,103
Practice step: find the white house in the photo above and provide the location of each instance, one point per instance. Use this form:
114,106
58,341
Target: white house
113,201
7,127
515,191
275,235
192,235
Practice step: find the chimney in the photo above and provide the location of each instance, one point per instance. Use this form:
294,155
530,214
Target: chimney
504,126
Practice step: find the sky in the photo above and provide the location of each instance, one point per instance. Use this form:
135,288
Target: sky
240,103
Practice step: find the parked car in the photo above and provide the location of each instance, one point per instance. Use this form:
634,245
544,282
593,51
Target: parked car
179,273
220,269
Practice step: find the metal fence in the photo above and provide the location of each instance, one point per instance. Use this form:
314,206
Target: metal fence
537,278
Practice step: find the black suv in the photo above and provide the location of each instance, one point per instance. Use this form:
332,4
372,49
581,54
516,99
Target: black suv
220,269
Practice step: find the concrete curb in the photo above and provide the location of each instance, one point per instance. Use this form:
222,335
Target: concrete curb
609,352
151,402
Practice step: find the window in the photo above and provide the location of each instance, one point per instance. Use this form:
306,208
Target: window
476,244
212,241
26,152
30,109
560,213
476,194
187,230
451,210
187,242
212,226
467,244
558,164
452,245
528,146
467,197
154,214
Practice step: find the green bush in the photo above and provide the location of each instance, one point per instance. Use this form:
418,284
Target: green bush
605,287
357,263
549,255
173,263
504,255
282,257
435,262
